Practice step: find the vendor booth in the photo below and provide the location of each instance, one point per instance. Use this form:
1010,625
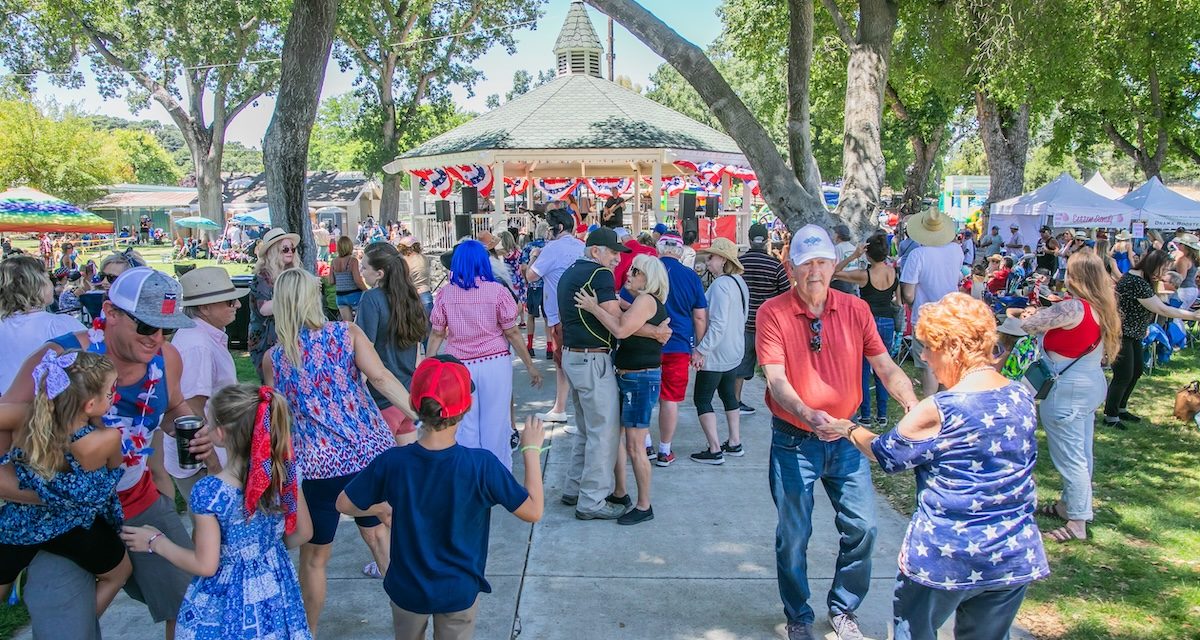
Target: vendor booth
1062,204
1161,208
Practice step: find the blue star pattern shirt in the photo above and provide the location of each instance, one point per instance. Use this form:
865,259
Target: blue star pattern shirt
974,526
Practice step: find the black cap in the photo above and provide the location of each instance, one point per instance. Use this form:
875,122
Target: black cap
759,233
1046,227
446,257
605,237
561,219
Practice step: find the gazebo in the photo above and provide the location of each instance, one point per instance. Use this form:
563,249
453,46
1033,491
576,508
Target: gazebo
577,129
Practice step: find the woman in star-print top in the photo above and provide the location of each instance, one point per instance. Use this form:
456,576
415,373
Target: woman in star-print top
973,545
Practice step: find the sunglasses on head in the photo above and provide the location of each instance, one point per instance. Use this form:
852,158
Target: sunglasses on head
814,343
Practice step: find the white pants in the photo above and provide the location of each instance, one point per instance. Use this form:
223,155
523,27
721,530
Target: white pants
488,425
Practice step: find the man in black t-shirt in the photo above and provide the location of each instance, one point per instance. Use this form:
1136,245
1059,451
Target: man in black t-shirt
587,363
613,215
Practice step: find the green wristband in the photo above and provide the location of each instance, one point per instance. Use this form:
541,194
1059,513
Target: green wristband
530,447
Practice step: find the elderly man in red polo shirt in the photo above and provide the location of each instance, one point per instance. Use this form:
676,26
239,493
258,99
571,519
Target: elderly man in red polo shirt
811,343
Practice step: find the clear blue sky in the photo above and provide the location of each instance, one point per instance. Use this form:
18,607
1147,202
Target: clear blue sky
695,20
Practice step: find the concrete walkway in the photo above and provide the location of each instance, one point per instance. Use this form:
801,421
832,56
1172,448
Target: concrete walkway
703,569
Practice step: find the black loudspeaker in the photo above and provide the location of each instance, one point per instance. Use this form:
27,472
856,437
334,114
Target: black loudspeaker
442,209
470,200
690,224
687,205
712,207
462,226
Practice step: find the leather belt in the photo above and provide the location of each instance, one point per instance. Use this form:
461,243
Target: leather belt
587,350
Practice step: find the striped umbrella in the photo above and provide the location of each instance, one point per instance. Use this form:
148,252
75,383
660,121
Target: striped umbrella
25,210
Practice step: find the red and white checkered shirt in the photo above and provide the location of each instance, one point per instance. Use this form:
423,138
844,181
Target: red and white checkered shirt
474,319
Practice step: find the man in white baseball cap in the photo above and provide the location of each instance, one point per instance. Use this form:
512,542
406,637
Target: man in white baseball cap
144,306
811,344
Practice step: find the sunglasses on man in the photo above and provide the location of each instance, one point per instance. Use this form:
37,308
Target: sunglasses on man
144,329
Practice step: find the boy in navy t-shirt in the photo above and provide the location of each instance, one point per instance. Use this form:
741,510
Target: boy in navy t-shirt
438,496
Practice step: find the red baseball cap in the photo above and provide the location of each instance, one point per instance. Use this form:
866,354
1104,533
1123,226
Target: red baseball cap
446,380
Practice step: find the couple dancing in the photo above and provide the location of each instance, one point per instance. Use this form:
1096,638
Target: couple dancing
972,546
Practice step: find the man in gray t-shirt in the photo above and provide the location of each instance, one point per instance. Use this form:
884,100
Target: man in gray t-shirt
558,254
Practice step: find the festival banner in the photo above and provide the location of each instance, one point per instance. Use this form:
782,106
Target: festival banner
558,188
475,175
435,181
603,187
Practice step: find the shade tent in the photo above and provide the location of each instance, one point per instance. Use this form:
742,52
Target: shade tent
1065,203
26,210
1099,185
1161,208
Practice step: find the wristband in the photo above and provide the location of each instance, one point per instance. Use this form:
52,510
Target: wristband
530,447
850,431
150,542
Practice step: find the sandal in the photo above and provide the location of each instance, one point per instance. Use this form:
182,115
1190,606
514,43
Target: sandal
1050,510
371,570
1064,535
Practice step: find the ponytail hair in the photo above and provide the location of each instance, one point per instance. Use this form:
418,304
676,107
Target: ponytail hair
236,410
63,385
407,324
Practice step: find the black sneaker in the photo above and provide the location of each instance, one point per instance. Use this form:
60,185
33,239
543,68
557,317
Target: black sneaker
570,501
1125,416
549,354
514,440
1116,423
636,516
732,450
651,454
745,409
624,501
708,457
881,422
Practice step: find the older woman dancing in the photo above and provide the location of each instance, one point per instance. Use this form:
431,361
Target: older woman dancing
973,546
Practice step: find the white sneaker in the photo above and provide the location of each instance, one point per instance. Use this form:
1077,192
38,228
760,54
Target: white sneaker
551,416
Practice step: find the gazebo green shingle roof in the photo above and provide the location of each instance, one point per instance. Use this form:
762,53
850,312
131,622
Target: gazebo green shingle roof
578,112
577,31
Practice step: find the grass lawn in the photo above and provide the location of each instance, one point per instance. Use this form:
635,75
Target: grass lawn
157,256
1138,574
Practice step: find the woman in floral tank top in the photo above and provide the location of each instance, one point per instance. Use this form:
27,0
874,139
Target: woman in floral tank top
337,429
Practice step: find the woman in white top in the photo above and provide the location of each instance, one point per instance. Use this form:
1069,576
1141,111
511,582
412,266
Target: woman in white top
210,299
25,325
720,350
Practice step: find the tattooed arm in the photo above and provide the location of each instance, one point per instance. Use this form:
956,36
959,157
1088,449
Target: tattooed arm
1060,315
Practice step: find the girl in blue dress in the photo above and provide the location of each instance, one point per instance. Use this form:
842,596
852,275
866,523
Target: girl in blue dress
246,517
71,468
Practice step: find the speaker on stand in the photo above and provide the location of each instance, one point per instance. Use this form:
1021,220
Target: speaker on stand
463,226
441,209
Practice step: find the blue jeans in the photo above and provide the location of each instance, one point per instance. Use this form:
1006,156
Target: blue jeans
796,464
979,614
427,302
887,332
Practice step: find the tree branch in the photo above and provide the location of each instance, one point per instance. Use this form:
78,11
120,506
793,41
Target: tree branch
1186,149
1119,140
839,22
894,101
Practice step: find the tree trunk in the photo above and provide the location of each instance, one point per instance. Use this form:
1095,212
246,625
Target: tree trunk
799,71
863,169
916,179
795,205
210,189
306,47
389,207
1005,134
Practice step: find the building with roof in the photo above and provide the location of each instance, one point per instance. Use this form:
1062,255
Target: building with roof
577,126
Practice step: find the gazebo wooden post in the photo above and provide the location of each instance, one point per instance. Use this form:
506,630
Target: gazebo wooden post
636,210
414,188
744,216
656,190
499,217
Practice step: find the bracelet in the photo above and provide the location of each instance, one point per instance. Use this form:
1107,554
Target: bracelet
530,447
850,431
150,542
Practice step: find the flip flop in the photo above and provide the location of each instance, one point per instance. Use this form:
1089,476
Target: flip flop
371,570
1063,535
1050,510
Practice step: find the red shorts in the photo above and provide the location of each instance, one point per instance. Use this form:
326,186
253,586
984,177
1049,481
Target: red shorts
675,370
397,422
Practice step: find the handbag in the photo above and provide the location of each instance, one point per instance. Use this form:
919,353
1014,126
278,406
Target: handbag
1187,402
1041,375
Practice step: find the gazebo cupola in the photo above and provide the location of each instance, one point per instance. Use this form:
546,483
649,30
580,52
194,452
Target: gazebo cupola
578,49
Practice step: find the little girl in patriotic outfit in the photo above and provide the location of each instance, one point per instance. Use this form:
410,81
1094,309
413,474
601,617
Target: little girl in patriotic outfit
247,517
79,513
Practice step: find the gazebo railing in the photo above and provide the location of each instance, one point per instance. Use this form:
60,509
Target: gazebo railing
440,236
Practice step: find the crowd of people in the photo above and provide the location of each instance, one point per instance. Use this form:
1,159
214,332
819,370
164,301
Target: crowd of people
398,409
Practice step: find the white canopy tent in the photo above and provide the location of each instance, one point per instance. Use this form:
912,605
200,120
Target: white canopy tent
1162,208
1099,185
1065,203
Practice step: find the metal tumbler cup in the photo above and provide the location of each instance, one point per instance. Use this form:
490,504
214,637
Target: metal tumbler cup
186,428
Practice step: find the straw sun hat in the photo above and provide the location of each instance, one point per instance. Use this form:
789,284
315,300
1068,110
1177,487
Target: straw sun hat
1188,240
725,248
275,235
931,228
207,285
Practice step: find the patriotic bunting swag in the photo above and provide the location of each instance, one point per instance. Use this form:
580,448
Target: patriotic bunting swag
475,175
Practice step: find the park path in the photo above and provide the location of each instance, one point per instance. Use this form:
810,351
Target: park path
703,569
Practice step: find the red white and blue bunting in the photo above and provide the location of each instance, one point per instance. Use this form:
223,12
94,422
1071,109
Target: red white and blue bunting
475,175
603,187
436,181
558,188
516,186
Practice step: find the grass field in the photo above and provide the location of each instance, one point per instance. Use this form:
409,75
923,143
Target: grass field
158,257
1138,574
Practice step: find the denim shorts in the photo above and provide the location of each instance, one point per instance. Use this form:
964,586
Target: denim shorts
349,299
639,393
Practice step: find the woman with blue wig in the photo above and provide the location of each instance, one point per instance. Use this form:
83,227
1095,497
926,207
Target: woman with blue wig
476,317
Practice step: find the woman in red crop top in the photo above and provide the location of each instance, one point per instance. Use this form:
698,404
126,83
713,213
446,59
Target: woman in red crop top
1079,333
